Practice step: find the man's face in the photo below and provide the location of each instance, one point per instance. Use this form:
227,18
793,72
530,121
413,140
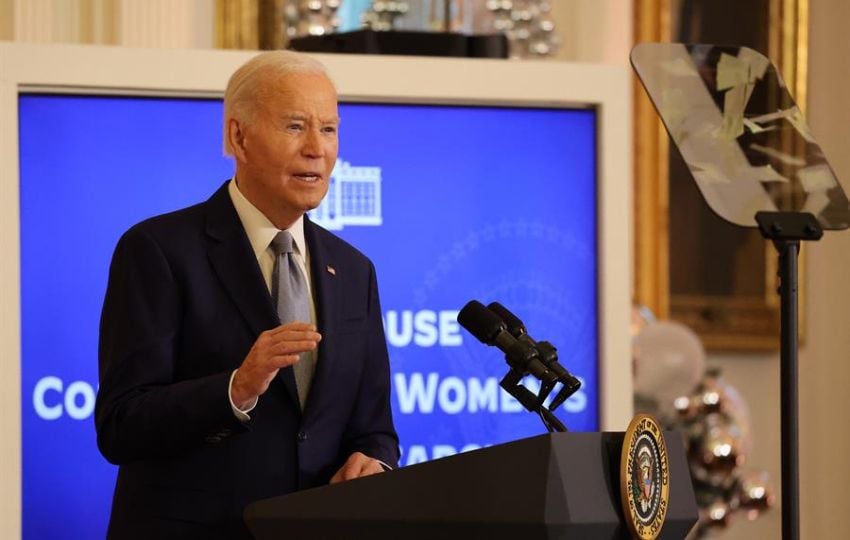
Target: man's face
291,146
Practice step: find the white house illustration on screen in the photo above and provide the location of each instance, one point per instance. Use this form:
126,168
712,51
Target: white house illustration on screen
354,198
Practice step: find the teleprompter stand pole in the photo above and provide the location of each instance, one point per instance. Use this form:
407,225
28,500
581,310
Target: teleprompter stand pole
787,230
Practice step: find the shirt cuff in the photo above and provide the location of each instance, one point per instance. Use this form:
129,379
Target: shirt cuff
384,465
242,415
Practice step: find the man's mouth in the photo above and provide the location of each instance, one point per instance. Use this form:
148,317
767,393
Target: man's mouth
308,176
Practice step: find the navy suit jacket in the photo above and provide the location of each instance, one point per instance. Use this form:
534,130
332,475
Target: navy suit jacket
185,302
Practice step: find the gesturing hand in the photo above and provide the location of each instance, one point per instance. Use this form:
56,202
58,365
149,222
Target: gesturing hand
357,465
274,349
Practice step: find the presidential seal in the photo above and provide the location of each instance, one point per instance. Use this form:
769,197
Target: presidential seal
644,477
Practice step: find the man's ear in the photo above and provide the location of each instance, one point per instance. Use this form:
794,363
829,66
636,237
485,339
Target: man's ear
237,137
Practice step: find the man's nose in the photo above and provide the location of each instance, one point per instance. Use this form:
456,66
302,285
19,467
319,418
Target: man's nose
313,145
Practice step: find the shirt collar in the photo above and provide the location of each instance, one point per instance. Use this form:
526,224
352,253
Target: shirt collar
260,230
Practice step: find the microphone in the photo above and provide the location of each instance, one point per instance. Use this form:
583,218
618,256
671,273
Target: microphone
489,329
547,352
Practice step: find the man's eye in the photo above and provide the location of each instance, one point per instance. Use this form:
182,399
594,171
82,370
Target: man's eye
329,129
295,127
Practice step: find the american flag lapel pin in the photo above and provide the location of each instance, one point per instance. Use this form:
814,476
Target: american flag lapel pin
331,270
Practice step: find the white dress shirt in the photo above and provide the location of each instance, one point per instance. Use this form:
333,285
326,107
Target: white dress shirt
260,233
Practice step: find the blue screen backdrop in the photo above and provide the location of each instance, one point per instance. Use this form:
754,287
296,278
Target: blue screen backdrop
450,202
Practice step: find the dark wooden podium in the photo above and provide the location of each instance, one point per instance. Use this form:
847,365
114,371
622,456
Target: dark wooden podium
562,485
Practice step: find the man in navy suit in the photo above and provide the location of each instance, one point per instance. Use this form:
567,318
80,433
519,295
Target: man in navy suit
198,402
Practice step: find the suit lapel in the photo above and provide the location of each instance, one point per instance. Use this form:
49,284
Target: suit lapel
234,262
326,295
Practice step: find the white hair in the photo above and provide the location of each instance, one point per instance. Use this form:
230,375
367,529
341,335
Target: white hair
248,84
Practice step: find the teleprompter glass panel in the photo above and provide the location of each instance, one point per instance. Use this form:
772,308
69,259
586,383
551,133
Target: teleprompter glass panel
739,131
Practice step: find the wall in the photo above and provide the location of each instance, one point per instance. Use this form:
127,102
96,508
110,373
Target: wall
825,370
131,23
594,31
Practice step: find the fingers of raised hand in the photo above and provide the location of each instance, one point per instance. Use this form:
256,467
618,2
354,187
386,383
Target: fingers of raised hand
283,347
293,326
274,349
281,334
